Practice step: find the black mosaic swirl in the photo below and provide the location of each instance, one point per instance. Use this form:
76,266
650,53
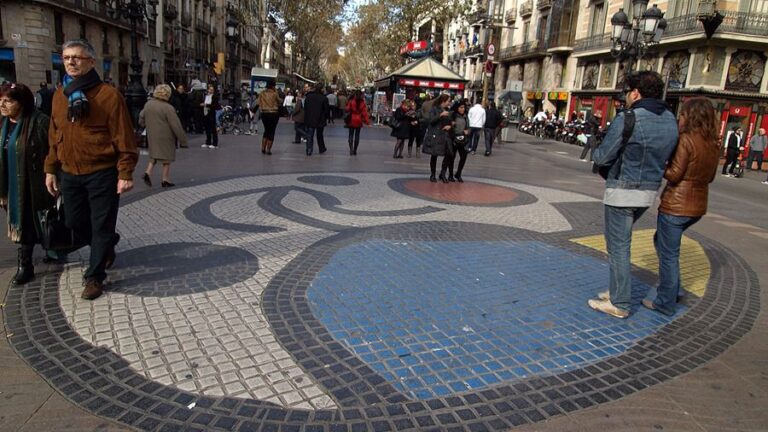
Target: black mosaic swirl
328,180
523,198
173,269
103,383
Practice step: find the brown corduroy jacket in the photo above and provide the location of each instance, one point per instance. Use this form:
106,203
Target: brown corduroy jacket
689,173
102,139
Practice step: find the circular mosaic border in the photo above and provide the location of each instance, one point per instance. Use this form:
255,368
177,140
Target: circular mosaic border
101,382
522,198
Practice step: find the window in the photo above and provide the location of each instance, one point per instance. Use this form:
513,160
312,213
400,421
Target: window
682,7
104,40
120,45
83,34
755,6
541,31
1,24
597,26
58,28
526,30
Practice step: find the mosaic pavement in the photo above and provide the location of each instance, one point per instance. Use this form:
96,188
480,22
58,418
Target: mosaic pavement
357,302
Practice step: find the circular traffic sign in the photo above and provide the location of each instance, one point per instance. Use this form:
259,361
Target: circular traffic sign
491,49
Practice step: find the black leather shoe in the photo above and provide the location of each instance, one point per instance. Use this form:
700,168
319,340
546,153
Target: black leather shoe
167,184
459,179
451,179
147,180
432,179
443,179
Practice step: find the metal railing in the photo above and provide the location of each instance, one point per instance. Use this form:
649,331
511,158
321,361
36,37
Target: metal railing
510,16
478,16
528,49
744,23
526,8
474,50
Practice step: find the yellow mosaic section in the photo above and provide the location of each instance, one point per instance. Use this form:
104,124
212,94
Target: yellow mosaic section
694,264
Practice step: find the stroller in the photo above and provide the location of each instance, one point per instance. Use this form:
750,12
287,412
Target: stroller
741,162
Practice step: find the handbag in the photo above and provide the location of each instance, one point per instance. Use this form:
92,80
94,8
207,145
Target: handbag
56,235
394,123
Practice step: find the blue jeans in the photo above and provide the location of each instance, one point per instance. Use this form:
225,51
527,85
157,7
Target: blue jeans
474,138
618,239
669,232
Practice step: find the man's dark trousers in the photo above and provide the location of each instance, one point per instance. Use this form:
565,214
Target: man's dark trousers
90,208
490,136
310,139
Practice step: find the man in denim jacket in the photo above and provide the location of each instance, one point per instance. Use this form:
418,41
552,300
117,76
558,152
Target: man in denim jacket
634,178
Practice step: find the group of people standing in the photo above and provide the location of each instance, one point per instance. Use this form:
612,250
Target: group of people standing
85,153
644,145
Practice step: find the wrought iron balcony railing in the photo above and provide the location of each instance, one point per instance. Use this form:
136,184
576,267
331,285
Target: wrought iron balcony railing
478,17
529,49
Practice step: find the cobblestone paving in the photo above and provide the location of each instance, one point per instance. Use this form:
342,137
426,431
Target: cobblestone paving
355,302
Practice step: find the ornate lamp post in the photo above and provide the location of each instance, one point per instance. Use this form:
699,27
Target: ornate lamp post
233,35
633,37
135,11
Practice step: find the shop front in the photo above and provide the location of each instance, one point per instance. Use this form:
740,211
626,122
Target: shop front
7,65
535,102
590,103
560,101
420,78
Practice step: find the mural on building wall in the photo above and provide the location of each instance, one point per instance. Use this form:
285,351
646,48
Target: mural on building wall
606,76
649,63
621,74
676,68
591,72
708,65
745,72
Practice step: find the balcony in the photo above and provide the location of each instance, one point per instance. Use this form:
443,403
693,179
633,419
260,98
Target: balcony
170,13
94,9
511,16
742,23
457,34
186,19
202,25
536,48
544,4
474,50
526,9
478,17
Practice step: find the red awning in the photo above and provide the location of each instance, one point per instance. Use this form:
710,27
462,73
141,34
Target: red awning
431,84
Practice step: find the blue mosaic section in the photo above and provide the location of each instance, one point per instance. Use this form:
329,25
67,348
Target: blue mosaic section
437,318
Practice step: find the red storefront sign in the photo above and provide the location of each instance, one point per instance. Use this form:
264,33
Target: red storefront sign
431,84
741,111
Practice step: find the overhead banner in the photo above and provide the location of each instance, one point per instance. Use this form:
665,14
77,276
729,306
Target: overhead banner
431,84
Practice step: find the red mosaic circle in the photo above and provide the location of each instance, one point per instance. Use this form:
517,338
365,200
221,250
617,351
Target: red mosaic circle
460,193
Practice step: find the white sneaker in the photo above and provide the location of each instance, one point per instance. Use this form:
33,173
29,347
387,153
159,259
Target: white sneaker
764,182
606,307
204,146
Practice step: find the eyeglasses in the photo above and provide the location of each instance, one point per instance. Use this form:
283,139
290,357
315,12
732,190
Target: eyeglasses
76,59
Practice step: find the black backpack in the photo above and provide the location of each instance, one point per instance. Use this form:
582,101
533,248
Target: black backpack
626,134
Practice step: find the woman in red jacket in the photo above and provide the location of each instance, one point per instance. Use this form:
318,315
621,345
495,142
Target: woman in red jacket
357,114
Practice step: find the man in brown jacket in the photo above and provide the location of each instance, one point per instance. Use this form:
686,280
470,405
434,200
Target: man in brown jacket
93,151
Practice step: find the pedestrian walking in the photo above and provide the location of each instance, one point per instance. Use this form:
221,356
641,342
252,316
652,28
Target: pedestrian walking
635,168
493,119
592,127
288,103
684,199
402,128
269,104
756,149
44,99
413,133
476,116
93,150
460,138
300,133
23,147
437,141
733,148
196,98
315,115
333,103
210,106
164,133
357,113
183,109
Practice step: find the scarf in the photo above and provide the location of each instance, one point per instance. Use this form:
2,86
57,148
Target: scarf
74,90
12,177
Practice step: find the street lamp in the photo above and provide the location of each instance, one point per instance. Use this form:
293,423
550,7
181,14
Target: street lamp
232,36
633,37
135,11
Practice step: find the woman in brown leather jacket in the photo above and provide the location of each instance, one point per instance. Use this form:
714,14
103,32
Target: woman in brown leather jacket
684,201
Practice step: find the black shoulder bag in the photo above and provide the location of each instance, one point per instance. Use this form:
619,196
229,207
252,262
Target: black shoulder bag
626,134
56,236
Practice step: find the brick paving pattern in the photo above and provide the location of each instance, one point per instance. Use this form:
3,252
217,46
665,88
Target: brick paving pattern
351,301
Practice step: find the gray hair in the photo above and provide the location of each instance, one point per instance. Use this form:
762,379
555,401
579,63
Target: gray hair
80,43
